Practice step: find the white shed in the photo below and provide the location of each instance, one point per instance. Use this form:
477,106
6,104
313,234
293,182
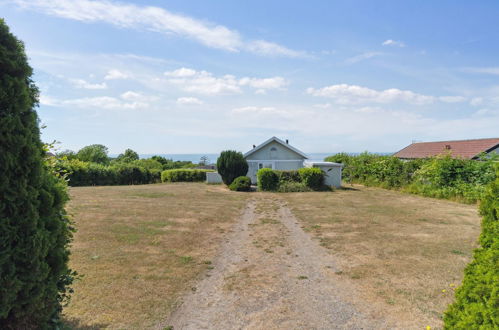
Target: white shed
332,172
275,154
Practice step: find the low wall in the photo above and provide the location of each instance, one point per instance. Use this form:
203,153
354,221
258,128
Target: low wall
213,177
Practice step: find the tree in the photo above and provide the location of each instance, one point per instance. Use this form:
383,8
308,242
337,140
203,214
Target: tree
34,228
128,157
95,153
204,161
68,154
230,165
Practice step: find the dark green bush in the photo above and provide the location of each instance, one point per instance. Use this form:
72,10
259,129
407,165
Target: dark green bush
267,179
184,175
288,176
312,177
292,186
230,165
477,299
242,183
34,228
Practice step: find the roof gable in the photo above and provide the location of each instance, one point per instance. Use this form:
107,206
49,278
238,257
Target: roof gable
467,149
279,141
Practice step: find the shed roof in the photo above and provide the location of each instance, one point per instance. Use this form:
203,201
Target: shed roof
278,141
467,149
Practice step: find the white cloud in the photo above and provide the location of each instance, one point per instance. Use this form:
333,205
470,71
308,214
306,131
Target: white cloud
452,99
204,82
266,48
352,94
264,83
115,74
362,57
391,42
484,70
156,19
189,101
323,105
101,102
476,101
80,83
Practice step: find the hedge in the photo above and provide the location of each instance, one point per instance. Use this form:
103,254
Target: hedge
477,299
305,179
441,176
184,175
81,173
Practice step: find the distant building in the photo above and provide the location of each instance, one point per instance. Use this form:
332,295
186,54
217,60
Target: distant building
280,155
466,149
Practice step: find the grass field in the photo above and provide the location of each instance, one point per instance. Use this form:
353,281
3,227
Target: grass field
138,247
405,253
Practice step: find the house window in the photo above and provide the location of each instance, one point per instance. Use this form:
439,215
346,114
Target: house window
260,166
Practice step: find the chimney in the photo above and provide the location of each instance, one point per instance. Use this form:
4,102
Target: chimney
254,146
447,147
287,141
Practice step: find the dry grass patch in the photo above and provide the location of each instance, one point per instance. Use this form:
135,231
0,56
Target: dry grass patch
401,250
139,247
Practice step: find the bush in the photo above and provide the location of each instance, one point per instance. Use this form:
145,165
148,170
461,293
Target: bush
95,153
230,165
291,186
288,176
184,175
242,183
312,177
34,228
267,179
477,300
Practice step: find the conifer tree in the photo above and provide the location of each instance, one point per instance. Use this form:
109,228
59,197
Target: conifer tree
34,228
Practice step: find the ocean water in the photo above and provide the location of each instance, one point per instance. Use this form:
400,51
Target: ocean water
212,158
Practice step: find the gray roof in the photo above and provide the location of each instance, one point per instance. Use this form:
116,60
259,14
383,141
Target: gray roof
278,141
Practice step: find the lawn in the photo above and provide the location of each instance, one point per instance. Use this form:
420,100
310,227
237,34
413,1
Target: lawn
138,247
404,253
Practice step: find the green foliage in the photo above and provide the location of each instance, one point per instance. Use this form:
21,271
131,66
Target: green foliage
95,153
242,183
288,176
92,174
66,154
312,177
440,177
267,179
184,175
128,156
230,165
477,300
148,164
292,186
35,229
169,164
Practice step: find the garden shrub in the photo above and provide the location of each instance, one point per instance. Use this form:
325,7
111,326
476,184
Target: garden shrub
292,186
184,175
267,179
312,177
230,165
242,183
35,230
288,176
477,299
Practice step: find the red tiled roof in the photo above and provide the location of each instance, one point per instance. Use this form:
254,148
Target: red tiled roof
460,149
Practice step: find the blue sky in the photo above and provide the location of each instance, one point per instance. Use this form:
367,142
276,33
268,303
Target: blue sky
204,76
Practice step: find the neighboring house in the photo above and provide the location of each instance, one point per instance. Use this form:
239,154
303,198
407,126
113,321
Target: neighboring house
466,149
280,155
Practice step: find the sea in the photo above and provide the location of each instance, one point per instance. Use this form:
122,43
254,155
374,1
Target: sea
212,158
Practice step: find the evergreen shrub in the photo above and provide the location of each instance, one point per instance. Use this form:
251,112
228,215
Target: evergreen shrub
477,299
242,183
230,165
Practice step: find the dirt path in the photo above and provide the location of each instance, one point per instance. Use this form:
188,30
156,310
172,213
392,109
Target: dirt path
270,274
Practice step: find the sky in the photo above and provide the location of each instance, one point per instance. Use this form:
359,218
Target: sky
202,76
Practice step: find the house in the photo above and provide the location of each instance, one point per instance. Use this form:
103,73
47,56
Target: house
280,155
466,149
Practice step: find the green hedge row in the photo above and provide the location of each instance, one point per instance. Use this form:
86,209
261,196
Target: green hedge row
184,175
477,300
81,173
305,179
441,177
